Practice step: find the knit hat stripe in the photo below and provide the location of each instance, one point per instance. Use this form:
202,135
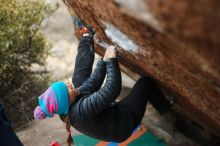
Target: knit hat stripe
62,96
48,102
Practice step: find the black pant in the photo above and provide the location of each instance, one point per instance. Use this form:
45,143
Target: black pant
84,61
7,135
144,89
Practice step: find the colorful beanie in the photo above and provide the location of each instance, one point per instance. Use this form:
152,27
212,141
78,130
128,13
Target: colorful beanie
54,100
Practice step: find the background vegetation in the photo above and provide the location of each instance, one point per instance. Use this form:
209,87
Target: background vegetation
21,46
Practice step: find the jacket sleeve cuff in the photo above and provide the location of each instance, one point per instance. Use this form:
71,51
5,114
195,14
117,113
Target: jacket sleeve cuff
101,62
111,60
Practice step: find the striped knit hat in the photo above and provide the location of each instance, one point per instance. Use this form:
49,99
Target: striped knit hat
55,100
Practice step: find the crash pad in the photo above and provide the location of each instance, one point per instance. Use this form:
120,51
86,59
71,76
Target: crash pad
141,136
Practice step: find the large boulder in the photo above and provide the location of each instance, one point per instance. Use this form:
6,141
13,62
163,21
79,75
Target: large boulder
183,59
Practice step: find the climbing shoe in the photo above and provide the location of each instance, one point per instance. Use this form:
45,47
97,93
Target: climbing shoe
172,100
84,28
168,107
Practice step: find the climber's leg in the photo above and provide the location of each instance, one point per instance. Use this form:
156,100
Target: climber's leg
85,56
144,90
84,61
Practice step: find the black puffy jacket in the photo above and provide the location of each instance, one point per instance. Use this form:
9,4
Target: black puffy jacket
94,114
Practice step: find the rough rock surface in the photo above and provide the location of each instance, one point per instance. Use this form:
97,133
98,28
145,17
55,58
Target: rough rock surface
182,69
195,22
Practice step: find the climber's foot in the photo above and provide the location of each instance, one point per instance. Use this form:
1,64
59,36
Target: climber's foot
84,28
172,100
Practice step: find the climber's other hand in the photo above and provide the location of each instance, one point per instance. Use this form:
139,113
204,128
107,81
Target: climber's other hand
110,53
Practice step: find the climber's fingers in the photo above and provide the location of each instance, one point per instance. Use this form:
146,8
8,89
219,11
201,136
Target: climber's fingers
110,53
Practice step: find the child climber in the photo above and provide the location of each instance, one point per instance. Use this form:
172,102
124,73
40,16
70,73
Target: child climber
92,109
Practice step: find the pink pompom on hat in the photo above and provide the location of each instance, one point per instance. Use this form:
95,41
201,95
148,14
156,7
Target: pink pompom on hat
39,113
